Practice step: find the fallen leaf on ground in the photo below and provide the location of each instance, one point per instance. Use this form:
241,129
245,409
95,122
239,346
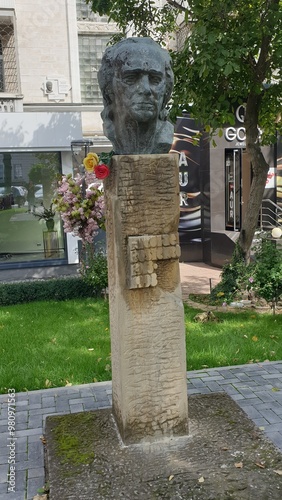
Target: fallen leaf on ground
254,338
201,479
224,448
42,439
91,349
239,465
260,464
171,477
279,472
275,389
48,383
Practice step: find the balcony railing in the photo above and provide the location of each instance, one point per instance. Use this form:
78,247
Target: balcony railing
7,106
11,104
270,215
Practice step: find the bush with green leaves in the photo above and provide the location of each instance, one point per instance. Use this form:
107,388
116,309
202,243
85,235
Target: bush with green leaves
268,271
49,289
263,276
233,278
94,268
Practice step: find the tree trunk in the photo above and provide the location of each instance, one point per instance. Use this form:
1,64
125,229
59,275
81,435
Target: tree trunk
259,170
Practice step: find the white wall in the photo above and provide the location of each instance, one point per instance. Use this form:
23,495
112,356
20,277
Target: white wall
43,45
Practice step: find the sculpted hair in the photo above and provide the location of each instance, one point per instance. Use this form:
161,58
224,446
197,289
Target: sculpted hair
114,58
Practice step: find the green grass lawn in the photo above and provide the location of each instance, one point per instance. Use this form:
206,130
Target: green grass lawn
51,344
240,337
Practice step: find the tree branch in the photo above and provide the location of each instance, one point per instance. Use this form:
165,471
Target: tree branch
176,5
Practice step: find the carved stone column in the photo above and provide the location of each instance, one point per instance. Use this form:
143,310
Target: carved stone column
146,310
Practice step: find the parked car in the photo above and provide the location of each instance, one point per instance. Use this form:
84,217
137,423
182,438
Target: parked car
6,198
11,196
38,194
19,194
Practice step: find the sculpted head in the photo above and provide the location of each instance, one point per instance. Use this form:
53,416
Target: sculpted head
136,81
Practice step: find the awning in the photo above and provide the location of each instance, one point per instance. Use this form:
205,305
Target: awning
39,131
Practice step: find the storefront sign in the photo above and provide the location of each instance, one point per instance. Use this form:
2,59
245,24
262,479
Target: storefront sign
189,152
232,134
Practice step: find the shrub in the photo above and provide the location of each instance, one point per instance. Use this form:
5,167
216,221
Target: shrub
233,277
50,289
268,271
263,276
94,268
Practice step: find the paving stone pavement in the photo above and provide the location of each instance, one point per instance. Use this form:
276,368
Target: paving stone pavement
257,388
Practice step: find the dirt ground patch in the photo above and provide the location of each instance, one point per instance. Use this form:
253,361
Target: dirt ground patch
224,457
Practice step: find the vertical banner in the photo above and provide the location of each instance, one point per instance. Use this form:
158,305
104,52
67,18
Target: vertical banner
279,176
187,144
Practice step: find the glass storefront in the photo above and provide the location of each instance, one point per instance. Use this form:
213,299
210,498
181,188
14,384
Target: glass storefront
27,184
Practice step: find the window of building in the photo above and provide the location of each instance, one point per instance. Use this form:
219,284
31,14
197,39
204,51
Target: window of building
84,13
18,171
25,238
91,50
8,60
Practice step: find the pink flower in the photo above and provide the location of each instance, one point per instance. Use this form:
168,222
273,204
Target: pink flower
82,215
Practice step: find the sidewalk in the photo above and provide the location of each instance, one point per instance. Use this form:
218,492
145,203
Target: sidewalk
197,277
257,389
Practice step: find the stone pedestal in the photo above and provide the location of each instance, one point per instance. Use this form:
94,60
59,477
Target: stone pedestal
146,310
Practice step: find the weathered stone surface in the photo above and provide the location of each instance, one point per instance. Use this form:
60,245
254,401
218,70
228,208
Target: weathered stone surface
201,466
136,81
146,310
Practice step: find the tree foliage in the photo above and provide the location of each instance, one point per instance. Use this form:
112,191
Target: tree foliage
231,54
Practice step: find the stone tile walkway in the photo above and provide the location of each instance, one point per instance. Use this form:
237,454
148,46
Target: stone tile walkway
257,388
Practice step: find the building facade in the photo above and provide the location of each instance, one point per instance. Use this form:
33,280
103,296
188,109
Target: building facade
49,97
214,189
50,53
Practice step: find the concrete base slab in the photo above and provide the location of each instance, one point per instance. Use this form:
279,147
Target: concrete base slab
224,457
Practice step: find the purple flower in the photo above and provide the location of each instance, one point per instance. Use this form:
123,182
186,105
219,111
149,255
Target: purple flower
251,279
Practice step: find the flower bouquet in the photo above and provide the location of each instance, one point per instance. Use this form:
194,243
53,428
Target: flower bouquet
80,202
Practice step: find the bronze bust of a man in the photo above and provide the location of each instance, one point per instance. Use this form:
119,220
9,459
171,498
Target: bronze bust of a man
136,81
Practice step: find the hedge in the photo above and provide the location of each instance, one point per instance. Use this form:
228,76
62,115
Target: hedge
49,289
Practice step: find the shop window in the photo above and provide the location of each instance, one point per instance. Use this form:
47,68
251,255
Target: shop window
233,189
8,61
91,50
27,184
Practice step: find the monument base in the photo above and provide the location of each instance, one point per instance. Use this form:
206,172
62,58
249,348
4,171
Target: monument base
225,456
147,328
